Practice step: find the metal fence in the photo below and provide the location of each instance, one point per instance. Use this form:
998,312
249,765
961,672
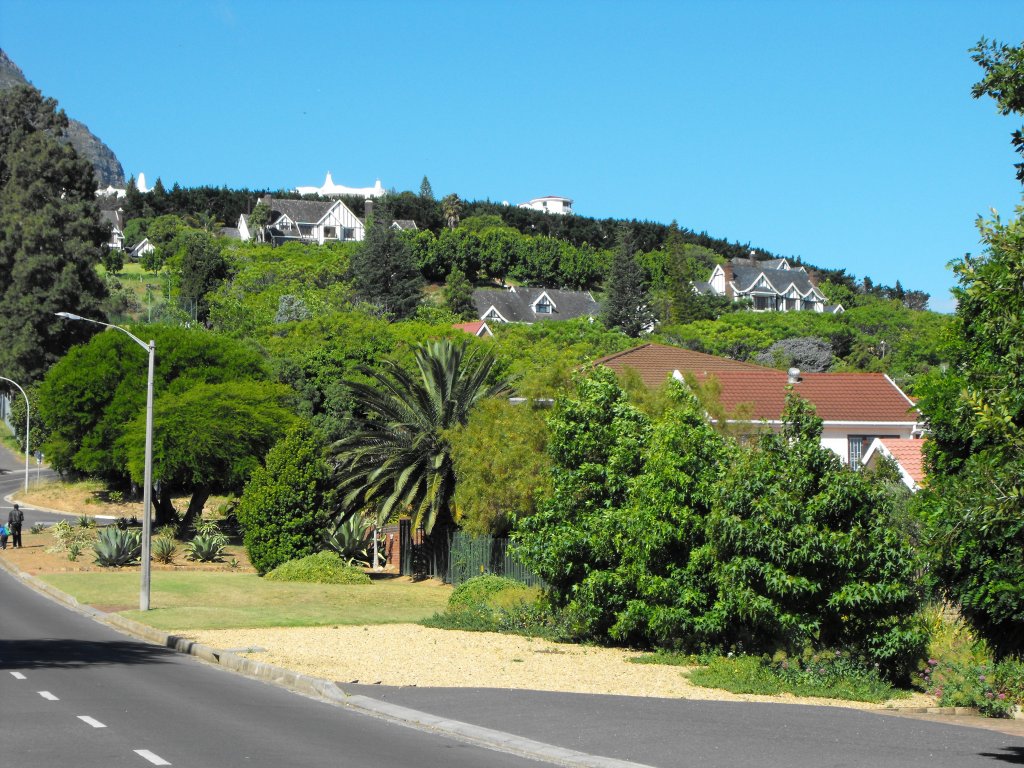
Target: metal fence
471,556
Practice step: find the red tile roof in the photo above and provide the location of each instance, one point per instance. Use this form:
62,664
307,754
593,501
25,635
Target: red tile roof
474,327
656,362
856,397
908,454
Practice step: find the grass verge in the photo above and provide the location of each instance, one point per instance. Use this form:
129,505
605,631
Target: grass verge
195,600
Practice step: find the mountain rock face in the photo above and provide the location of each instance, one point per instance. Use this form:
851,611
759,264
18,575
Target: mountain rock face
105,163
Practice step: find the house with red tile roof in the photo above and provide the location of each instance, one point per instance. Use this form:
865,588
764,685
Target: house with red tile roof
856,408
908,455
476,328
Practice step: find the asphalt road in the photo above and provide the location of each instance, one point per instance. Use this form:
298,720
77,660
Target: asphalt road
12,481
75,693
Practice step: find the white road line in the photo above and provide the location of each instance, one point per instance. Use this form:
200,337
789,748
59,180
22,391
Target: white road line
91,721
17,675
154,759
48,696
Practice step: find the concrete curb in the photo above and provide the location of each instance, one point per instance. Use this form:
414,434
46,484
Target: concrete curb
326,690
12,498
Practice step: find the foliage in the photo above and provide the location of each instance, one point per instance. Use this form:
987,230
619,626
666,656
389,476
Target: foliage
974,504
51,237
206,547
286,503
398,457
834,675
502,466
65,536
319,568
200,268
993,688
164,548
626,300
488,591
458,295
384,271
115,547
496,604
1004,82
351,539
808,354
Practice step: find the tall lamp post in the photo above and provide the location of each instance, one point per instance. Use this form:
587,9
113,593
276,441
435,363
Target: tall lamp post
147,493
12,381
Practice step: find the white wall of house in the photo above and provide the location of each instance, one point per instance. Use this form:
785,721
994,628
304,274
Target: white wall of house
340,224
550,204
836,436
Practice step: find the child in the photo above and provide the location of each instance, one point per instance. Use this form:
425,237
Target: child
3,536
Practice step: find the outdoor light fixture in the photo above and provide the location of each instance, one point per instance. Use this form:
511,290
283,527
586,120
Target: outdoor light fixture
147,493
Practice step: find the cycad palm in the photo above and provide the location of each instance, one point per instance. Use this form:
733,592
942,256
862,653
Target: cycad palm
398,456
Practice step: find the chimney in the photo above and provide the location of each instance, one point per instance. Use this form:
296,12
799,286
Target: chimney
794,376
368,209
727,269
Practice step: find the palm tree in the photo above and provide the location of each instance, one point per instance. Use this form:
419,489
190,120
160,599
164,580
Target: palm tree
451,208
399,457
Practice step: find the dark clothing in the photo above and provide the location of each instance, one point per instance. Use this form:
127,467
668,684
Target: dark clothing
14,521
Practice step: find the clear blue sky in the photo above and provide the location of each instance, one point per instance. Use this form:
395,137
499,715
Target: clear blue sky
842,132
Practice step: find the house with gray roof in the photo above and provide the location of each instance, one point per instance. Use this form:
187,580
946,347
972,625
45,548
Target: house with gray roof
115,221
306,221
772,285
521,304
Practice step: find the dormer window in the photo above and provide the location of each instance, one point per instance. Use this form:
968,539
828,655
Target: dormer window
542,307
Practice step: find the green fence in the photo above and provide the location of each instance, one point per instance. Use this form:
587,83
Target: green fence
471,556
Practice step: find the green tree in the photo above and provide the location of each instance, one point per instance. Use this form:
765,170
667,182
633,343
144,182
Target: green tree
200,268
458,295
1004,82
258,221
451,207
287,504
502,466
627,302
51,237
384,272
426,191
974,503
135,231
398,455
208,439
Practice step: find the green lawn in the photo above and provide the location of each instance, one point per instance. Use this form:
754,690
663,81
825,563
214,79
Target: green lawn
198,601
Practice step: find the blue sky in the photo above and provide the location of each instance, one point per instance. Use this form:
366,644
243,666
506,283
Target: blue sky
841,132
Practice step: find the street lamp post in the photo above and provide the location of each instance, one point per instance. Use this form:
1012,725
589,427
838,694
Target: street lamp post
12,381
147,493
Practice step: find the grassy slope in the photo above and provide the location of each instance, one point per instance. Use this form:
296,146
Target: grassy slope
230,600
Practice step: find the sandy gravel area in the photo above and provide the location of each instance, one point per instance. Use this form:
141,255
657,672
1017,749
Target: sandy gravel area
408,654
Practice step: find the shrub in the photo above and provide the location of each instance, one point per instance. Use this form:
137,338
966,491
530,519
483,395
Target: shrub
84,521
164,549
351,539
994,688
321,568
37,528
206,548
64,536
115,548
284,508
490,592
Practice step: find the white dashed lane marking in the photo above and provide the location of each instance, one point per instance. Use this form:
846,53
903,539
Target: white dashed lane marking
48,696
17,675
154,759
91,721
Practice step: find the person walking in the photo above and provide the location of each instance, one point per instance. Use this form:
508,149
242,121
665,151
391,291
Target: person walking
14,521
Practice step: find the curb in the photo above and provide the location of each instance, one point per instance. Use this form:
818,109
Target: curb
11,498
326,690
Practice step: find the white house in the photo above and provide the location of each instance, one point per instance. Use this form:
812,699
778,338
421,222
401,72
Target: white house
330,189
549,204
772,285
140,249
307,221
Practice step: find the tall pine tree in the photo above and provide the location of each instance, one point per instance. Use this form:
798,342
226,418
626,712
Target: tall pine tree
384,269
51,237
627,304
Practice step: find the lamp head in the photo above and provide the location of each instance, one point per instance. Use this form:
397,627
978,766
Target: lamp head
68,316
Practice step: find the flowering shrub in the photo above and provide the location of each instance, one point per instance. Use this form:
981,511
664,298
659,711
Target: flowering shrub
993,688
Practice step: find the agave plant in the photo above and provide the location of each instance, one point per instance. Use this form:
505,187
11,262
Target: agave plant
164,549
350,538
206,548
115,547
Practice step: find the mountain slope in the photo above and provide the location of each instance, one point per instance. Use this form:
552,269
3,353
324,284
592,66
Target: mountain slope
105,163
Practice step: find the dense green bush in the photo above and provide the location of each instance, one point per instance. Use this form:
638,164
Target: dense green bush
285,507
489,591
321,568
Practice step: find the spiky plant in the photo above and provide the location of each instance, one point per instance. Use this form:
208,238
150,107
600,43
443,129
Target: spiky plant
115,547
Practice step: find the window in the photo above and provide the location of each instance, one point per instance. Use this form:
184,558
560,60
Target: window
330,233
764,303
347,233
859,445
542,307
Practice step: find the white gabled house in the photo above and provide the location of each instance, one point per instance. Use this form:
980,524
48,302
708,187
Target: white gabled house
307,221
772,285
549,204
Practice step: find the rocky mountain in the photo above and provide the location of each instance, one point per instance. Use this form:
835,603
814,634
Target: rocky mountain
104,161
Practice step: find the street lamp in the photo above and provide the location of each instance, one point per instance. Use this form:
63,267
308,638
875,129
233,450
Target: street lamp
12,381
147,493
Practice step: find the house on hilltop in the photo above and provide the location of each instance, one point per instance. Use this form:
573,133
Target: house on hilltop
549,204
856,408
521,304
773,285
114,220
305,221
